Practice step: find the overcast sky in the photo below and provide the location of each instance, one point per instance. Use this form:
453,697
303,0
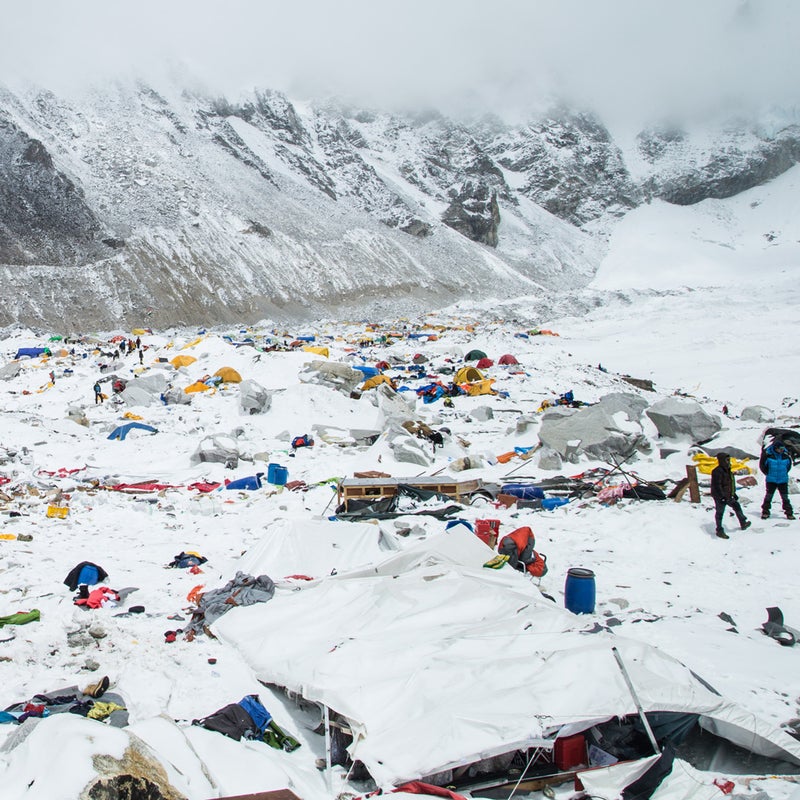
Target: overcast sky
636,56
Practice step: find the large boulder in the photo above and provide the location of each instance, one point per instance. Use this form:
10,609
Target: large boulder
333,374
591,430
676,418
632,404
757,414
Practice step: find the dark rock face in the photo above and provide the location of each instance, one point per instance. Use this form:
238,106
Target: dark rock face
569,165
735,168
126,787
44,217
474,213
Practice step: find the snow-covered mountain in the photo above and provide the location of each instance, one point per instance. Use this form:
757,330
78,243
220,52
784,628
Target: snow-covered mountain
128,204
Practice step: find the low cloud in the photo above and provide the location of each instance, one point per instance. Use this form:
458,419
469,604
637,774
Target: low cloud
638,59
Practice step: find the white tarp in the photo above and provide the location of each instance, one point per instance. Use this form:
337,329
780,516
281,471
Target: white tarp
437,662
683,783
315,548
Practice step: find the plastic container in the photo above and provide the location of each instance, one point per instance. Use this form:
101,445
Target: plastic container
250,482
522,490
570,752
88,575
579,591
57,512
549,503
487,530
277,475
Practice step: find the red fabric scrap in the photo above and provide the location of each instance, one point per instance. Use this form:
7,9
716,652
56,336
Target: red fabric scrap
144,486
204,487
418,787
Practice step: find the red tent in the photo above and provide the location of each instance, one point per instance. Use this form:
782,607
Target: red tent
507,359
484,363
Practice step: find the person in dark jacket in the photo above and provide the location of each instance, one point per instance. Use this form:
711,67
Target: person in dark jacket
775,463
723,490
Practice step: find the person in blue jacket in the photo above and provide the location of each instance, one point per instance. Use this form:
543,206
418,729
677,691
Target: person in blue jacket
775,463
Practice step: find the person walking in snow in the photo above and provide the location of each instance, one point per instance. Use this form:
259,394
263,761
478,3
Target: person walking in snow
775,463
98,394
723,490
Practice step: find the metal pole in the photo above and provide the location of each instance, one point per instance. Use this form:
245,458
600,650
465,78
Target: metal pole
635,697
327,720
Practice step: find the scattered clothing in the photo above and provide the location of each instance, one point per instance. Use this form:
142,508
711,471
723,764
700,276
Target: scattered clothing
20,618
86,572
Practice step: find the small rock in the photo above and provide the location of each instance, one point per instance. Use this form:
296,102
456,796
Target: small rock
90,665
97,632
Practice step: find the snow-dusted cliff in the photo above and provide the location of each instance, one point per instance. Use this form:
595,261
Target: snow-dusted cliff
129,204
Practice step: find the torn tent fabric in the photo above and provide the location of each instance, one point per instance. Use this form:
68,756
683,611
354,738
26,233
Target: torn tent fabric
242,590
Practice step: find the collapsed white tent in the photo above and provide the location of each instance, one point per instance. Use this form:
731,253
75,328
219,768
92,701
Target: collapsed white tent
315,548
436,662
682,783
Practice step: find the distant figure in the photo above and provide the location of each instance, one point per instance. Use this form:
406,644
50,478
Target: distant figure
98,394
141,356
52,376
601,368
775,463
723,490
725,410
122,348
138,343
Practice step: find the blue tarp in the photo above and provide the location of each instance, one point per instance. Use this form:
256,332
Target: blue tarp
368,372
32,352
123,430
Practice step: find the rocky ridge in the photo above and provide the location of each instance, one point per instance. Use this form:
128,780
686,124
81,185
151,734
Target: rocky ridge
128,204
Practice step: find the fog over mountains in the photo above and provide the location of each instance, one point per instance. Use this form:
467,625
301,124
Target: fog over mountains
137,205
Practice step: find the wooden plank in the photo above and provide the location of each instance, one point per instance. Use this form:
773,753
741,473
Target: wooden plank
275,794
694,487
679,490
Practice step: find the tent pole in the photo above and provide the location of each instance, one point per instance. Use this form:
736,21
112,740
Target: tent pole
327,718
635,697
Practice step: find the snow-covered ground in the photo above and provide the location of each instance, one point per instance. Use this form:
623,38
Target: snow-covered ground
660,572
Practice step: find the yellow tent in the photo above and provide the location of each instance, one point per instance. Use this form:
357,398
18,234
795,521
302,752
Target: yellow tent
140,332
481,387
182,361
706,464
375,380
197,386
193,343
228,375
320,351
468,375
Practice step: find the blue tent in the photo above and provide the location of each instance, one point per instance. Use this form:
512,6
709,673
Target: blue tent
367,372
123,430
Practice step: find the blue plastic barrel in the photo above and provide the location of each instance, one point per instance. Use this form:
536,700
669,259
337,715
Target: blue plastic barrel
88,575
523,491
277,474
549,503
579,591
251,482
